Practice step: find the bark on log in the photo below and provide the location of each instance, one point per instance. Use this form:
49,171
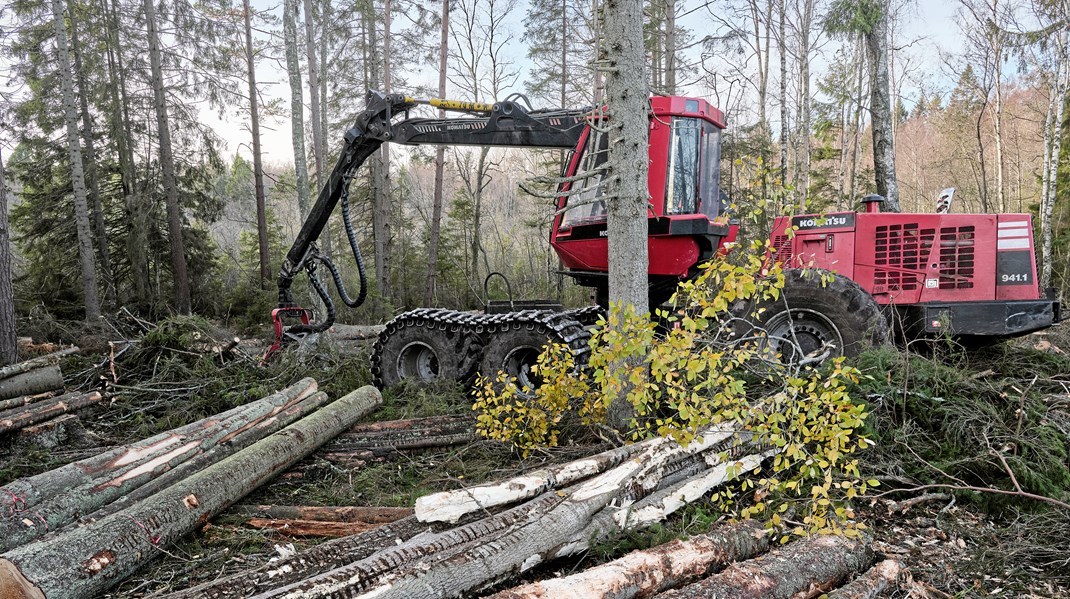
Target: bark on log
39,380
644,573
85,561
46,410
306,564
872,584
450,505
35,363
448,566
28,492
355,332
101,496
52,433
23,400
312,528
384,438
374,515
805,568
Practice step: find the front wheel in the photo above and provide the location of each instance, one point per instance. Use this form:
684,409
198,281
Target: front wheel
819,316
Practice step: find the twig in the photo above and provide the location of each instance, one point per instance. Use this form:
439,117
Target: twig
1024,494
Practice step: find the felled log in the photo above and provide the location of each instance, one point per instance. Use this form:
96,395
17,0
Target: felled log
349,332
644,573
872,584
382,438
305,564
458,561
85,561
52,433
24,400
28,492
34,363
29,382
451,505
805,568
371,515
24,416
311,528
101,497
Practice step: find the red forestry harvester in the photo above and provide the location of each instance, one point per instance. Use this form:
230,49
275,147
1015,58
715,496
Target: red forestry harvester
967,275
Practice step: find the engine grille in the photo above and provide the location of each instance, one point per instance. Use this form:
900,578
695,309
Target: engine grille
782,245
956,257
901,251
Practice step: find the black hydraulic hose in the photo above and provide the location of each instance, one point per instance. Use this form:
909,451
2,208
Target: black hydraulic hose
348,224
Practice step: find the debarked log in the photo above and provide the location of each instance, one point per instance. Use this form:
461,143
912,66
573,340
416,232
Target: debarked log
311,528
804,568
644,573
45,378
83,562
27,492
101,496
17,418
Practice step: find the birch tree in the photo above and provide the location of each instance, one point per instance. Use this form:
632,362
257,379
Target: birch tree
74,151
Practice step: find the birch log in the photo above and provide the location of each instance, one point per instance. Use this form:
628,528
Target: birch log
85,561
436,570
27,492
148,477
46,410
805,568
644,573
451,505
39,380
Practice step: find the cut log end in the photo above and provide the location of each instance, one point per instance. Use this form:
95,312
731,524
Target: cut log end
13,585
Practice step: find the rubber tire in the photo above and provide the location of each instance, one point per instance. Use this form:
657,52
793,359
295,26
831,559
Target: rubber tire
456,353
852,311
500,351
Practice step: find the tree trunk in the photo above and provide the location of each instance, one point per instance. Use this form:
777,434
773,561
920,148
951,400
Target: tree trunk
627,196
806,567
113,491
314,93
297,108
650,571
311,528
804,95
46,378
881,111
100,230
183,304
856,134
17,418
28,492
84,562
258,165
8,345
782,47
74,152
874,583
137,238
1054,135
382,227
670,47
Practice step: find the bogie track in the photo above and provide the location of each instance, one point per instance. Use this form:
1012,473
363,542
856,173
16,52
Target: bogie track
430,343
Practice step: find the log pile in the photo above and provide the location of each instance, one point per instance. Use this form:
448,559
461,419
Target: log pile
314,521
79,529
555,512
377,440
27,393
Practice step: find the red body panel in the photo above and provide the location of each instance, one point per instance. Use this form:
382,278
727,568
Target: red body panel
917,258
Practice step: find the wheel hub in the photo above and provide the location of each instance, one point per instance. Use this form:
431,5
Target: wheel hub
800,333
418,360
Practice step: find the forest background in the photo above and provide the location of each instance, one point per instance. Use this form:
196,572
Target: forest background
146,144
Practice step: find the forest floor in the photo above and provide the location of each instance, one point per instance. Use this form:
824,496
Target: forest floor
938,417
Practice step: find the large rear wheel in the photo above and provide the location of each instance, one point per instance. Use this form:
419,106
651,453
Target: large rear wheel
424,351
819,315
